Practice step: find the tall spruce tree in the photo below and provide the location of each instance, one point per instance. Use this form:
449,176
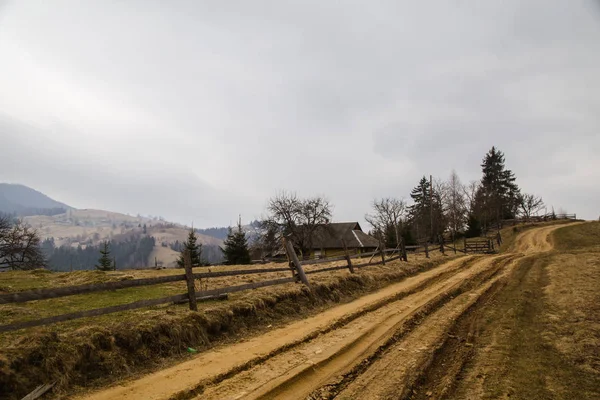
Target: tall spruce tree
498,195
194,248
104,262
236,247
420,211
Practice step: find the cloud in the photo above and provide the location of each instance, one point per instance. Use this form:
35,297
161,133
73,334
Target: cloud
203,110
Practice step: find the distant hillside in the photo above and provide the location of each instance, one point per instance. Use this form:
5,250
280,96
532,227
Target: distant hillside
24,201
73,238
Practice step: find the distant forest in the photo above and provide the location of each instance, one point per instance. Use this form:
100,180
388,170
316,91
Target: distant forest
131,253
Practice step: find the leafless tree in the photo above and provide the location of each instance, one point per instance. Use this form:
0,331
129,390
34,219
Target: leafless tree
269,241
455,203
19,246
470,191
300,218
387,216
530,204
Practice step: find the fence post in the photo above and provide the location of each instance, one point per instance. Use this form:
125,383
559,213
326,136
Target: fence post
465,243
442,245
189,277
350,267
403,247
381,251
426,249
374,254
292,254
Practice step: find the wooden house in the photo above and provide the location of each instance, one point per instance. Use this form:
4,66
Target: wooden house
328,240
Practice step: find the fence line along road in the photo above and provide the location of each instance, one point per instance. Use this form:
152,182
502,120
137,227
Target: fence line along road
140,304
43,294
296,270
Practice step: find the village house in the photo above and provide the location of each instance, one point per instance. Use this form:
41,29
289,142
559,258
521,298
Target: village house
328,240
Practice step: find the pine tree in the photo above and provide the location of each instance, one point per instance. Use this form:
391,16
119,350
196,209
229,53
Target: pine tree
498,195
420,211
236,247
104,262
194,248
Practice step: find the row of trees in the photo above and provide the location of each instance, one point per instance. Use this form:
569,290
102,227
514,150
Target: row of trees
440,207
235,250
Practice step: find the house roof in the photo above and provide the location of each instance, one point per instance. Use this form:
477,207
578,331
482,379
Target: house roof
334,235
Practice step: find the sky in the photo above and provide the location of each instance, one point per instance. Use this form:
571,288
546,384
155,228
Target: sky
198,111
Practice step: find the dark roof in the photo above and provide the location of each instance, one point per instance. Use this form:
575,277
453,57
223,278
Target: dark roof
330,236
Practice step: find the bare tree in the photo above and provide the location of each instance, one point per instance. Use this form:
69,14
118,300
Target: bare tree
387,216
530,204
470,191
455,203
269,241
19,246
300,218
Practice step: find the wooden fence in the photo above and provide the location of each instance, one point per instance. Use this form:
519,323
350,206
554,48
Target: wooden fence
538,218
295,268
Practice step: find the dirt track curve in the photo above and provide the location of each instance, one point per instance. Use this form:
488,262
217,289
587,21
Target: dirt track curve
374,347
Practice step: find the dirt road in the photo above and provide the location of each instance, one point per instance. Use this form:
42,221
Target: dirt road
379,346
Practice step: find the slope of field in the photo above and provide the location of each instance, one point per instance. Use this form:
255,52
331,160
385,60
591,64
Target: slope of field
411,339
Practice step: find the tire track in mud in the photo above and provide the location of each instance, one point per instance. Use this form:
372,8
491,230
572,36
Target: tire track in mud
296,373
438,380
409,347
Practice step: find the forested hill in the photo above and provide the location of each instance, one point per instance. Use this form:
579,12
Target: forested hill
23,201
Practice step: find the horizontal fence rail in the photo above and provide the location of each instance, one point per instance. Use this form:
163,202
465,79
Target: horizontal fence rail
140,304
43,294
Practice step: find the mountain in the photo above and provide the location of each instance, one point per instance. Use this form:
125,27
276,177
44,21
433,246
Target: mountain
24,201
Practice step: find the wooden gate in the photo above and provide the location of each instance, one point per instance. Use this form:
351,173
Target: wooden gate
479,245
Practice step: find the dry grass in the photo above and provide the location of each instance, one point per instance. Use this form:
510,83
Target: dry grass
574,296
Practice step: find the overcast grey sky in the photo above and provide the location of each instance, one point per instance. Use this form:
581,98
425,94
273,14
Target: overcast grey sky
200,110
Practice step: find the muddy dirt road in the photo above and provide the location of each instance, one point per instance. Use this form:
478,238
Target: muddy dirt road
409,340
